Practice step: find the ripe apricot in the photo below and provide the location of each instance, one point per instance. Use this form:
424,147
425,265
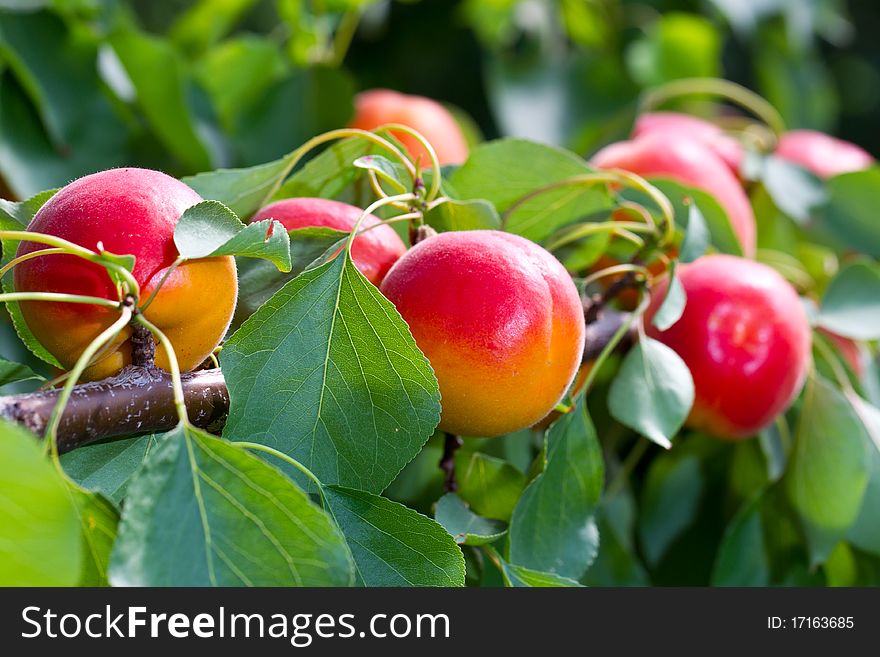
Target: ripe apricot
380,106
674,124
744,336
499,319
373,252
124,211
691,163
824,155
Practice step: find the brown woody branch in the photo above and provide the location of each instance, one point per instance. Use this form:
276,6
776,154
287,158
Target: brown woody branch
139,399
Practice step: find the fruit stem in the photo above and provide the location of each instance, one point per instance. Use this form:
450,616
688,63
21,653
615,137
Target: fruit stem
58,296
375,205
176,383
616,269
435,162
451,444
174,265
577,231
75,250
284,457
82,362
725,89
28,256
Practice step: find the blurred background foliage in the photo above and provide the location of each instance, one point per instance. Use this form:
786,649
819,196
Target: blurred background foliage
194,85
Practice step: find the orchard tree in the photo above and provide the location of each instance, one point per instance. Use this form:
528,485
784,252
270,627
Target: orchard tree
387,358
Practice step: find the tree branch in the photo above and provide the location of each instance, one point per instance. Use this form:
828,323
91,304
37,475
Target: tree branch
139,399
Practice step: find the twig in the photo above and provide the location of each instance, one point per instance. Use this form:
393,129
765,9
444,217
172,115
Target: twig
451,444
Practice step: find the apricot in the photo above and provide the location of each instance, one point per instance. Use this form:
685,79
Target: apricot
824,155
676,124
125,211
847,349
373,252
744,336
688,162
500,321
377,107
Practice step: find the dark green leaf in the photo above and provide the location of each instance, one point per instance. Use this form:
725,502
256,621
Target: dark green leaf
865,531
40,536
850,213
466,527
519,576
742,557
464,215
552,528
670,501
327,372
14,372
227,517
671,309
653,391
829,467
108,467
851,305
489,485
391,544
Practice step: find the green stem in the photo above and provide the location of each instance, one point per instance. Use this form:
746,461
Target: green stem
28,256
833,360
626,469
435,162
344,34
284,457
615,269
174,265
578,231
731,91
82,362
176,382
57,296
375,205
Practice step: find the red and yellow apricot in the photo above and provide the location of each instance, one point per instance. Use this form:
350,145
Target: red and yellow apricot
500,321
378,107
128,212
373,252
744,336
824,155
676,124
691,163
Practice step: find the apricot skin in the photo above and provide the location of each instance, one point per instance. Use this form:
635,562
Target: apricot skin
373,252
500,321
691,163
377,107
824,155
676,124
745,338
128,211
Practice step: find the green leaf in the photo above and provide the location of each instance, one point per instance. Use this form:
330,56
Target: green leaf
244,191
670,501
865,531
850,211
327,372
14,372
653,391
159,81
391,544
553,528
503,171
794,190
851,304
210,229
829,467
678,45
107,467
227,517
742,557
328,174
98,520
15,216
520,576
206,21
466,527
464,215
683,198
696,237
491,486
258,280
40,537
671,309
385,169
